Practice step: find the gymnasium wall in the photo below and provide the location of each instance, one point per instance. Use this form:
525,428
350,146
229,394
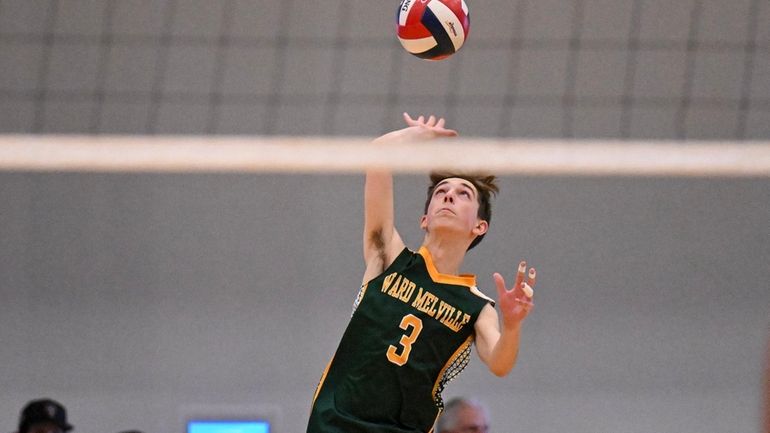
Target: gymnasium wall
546,68
140,300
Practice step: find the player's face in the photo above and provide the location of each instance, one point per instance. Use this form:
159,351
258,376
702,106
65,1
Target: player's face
454,204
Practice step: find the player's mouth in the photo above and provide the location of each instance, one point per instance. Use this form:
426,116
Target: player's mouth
445,209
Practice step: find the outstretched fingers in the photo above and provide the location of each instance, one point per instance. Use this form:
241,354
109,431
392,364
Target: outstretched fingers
434,124
531,277
528,286
520,273
431,121
413,122
500,284
515,304
525,281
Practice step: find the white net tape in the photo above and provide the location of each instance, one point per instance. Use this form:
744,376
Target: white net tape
350,155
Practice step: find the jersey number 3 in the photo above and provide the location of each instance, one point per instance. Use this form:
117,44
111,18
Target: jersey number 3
406,340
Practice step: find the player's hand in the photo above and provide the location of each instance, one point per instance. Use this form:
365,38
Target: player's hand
419,129
516,303
423,129
431,125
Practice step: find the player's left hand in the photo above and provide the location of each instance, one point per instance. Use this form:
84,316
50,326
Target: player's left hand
515,304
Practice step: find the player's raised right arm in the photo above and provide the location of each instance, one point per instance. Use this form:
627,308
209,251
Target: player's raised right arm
382,243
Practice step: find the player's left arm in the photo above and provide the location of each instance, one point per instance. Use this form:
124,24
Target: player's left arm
498,347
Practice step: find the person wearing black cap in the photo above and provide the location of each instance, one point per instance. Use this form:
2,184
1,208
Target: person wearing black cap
43,416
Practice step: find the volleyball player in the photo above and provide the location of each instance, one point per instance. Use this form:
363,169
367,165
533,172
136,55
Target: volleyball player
416,316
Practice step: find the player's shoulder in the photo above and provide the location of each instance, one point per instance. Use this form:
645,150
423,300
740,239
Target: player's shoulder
475,290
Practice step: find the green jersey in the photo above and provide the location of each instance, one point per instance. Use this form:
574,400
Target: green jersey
410,333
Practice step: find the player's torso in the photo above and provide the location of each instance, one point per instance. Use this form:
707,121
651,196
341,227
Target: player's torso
412,326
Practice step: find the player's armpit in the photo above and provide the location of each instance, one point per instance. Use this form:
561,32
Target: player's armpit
379,254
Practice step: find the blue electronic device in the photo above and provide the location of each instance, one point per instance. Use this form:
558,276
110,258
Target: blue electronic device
228,426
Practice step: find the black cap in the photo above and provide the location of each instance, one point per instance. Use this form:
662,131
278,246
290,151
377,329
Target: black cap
44,410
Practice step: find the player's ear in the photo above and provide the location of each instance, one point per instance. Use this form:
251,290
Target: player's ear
481,227
424,222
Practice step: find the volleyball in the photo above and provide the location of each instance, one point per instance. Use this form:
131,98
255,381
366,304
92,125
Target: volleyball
432,29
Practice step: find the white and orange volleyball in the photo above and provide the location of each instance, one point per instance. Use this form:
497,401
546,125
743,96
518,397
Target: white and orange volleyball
432,29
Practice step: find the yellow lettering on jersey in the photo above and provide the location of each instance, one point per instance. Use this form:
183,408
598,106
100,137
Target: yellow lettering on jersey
401,288
459,321
444,309
425,301
454,320
388,281
451,317
466,319
394,288
406,290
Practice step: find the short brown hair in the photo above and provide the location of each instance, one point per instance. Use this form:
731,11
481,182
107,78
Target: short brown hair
486,185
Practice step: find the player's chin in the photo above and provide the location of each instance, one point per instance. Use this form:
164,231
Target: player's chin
450,226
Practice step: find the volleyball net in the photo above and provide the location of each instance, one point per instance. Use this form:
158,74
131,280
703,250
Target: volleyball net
180,154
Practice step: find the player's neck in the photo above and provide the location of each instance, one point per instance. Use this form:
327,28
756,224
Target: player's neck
447,255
